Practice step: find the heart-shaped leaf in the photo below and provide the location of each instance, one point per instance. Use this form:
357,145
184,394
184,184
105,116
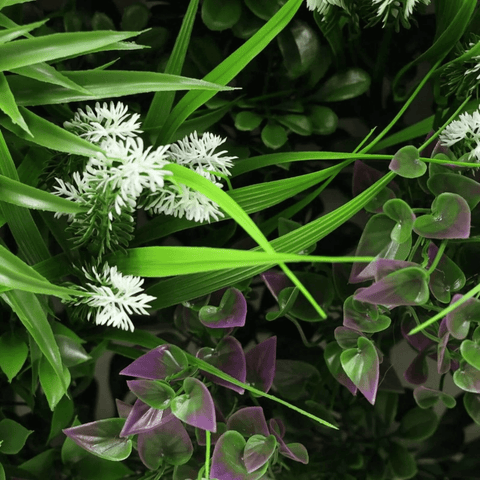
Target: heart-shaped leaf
347,337
158,364
458,320
143,418
471,402
418,424
375,205
446,278
231,312
466,187
365,322
155,393
401,212
471,353
261,361
258,451
406,163
467,378
417,372
249,421
365,176
227,356
102,438
362,367
169,442
292,376
450,218
195,407
404,287
331,355
376,241
227,460
275,282
294,451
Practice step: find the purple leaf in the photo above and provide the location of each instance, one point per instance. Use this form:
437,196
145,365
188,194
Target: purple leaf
276,427
123,408
169,443
361,364
260,362
258,451
365,176
426,397
231,312
158,364
417,372
202,437
418,341
403,287
227,356
458,321
195,407
248,421
294,451
292,377
443,355
227,460
155,393
275,282
347,337
143,418
102,438
450,218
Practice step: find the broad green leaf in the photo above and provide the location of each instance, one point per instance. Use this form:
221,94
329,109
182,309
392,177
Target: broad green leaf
155,393
247,121
102,438
264,9
229,68
258,451
135,17
102,84
344,86
418,424
471,402
27,306
466,187
162,101
324,120
13,436
168,261
361,365
402,462
471,353
41,465
58,45
467,378
299,124
218,15
23,195
71,350
13,353
274,135
62,416
10,34
52,385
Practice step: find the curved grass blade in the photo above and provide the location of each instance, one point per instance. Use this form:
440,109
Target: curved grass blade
10,34
9,106
103,84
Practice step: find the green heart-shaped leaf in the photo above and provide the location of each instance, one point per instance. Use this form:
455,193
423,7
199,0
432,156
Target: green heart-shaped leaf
258,451
471,353
471,403
466,187
401,212
467,378
155,393
418,424
450,219
362,367
407,163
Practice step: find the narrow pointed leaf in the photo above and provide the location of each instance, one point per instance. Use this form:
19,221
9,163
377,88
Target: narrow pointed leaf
13,353
13,436
9,106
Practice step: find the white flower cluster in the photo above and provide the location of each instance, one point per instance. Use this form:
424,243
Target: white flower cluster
466,130
129,176
114,297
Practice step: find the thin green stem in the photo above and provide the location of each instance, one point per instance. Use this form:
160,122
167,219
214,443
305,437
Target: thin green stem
413,313
433,266
300,331
403,109
414,249
207,455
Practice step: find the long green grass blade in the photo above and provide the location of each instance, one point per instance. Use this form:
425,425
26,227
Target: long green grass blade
228,69
162,101
9,106
30,51
103,84
22,195
169,261
29,310
10,34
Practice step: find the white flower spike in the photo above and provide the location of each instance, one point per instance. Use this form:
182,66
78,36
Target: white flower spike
105,122
114,297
